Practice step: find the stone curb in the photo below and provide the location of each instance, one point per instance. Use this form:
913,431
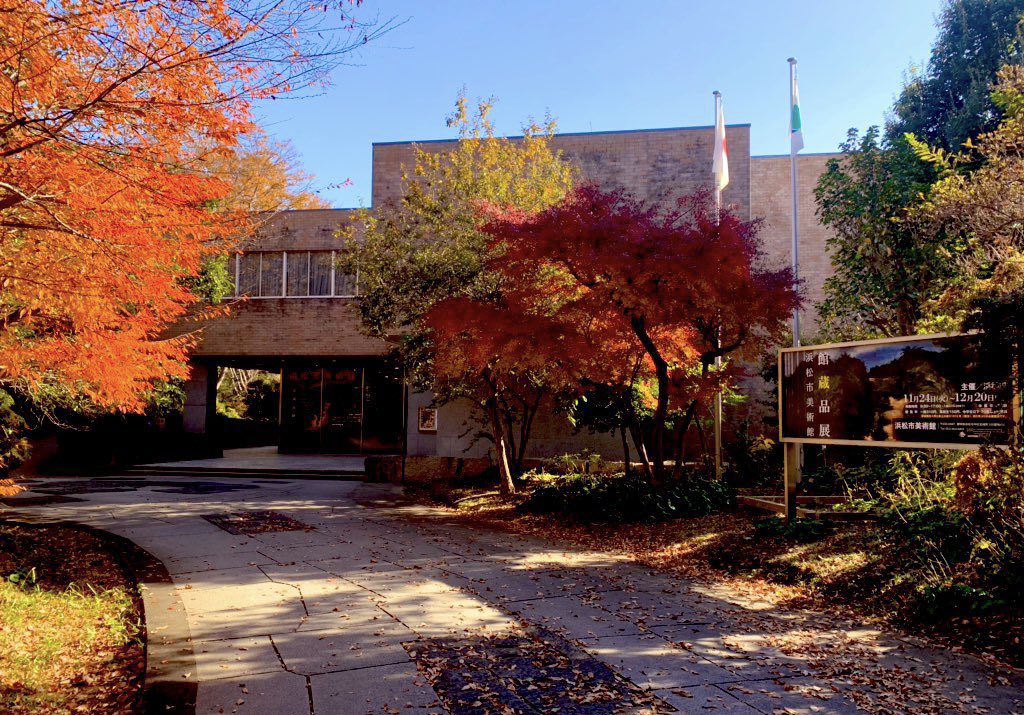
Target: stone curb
169,685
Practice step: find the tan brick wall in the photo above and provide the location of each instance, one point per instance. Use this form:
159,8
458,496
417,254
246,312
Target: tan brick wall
655,165
309,230
269,327
771,200
316,327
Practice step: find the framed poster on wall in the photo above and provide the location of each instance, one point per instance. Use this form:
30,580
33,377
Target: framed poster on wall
930,391
426,420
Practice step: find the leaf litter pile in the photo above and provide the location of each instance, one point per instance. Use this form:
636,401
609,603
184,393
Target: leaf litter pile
524,672
250,523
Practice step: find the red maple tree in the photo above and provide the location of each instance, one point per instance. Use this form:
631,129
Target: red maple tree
621,286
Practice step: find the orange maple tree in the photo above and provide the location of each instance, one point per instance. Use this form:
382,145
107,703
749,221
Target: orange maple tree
101,215
601,286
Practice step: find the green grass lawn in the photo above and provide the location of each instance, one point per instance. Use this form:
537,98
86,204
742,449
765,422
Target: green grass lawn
66,646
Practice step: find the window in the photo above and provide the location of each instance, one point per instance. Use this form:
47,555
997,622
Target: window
295,274
345,284
321,266
271,274
298,273
248,274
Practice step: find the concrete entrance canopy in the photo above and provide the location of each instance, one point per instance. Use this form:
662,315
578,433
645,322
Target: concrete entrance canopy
301,307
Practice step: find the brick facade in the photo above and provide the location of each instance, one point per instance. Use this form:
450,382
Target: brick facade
771,201
656,165
291,327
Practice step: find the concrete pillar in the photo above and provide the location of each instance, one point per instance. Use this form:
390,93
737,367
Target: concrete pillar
200,398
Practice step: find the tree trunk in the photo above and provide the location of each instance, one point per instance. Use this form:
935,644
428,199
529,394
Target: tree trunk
641,449
507,415
691,410
657,455
906,317
625,449
529,413
508,487
1017,383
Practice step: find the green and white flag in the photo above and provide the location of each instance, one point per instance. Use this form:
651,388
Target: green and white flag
796,133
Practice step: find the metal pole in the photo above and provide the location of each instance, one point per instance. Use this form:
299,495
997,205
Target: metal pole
792,172
795,452
718,359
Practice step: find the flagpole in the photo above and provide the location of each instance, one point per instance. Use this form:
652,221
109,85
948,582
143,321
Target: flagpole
792,173
718,358
793,454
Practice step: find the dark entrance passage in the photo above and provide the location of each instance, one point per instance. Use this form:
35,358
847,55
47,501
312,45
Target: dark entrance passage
340,407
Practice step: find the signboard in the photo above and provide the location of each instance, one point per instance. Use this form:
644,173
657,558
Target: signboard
921,391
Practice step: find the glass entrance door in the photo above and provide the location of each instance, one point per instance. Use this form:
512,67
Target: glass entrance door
342,411
339,408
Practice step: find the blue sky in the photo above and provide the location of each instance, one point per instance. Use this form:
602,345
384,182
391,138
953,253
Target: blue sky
604,66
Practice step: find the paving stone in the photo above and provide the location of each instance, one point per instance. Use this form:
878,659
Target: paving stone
348,619
706,699
653,664
446,613
745,653
238,611
341,555
292,539
215,561
507,585
350,647
407,584
279,693
569,615
388,688
792,697
341,601
248,575
311,581
657,610
235,657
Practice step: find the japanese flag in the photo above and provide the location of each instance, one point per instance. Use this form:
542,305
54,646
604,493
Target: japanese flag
720,165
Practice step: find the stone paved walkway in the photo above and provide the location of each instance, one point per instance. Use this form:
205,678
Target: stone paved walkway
332,598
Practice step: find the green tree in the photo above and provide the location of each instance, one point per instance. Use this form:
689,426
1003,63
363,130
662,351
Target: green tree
890,262
951,101
887,261
13,442
428,246
985,207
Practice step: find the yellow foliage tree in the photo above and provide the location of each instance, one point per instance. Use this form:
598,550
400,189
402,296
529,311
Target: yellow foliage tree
263,175
428,247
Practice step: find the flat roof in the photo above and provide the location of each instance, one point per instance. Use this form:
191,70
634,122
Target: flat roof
575,134
803,153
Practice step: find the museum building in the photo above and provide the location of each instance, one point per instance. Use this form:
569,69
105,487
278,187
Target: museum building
340,395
